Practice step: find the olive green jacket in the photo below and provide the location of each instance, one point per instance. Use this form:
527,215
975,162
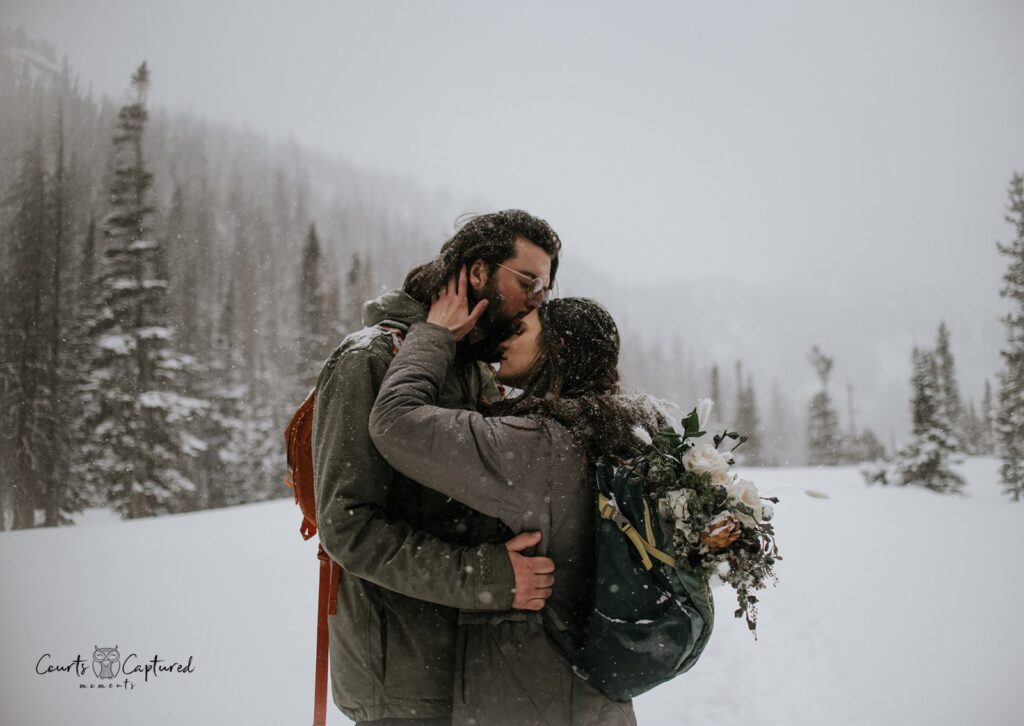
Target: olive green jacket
531,475
410,557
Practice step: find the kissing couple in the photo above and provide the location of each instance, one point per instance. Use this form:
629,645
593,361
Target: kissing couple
459,501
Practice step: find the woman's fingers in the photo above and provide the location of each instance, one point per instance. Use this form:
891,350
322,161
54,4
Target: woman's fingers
450,307
478,310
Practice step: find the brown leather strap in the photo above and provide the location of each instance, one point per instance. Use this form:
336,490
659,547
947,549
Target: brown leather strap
327,604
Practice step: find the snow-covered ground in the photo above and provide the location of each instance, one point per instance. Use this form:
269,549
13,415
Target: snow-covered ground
895,606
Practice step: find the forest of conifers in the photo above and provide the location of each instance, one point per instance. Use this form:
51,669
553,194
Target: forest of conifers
221,225
169,288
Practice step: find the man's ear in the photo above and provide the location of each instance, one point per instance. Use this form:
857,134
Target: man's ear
478,275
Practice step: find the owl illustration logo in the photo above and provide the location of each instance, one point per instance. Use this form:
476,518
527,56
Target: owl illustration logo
106,662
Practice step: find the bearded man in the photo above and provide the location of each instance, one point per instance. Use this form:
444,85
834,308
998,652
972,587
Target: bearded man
412,559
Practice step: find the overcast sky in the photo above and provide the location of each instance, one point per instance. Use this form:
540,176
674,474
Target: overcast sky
851,143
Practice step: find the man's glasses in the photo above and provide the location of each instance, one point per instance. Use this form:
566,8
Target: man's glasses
536,287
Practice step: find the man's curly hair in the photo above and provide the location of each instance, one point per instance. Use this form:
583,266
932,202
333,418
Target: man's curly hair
488,237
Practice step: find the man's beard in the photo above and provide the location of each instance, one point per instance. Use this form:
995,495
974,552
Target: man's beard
493,327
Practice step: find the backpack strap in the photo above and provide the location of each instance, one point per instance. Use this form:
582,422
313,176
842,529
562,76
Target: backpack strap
330,572
646,547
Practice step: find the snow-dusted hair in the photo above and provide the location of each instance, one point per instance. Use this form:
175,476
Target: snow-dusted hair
488,237
575,380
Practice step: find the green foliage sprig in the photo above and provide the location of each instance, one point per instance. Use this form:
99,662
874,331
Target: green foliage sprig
748,563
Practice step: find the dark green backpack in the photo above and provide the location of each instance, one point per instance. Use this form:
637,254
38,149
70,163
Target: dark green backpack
651,617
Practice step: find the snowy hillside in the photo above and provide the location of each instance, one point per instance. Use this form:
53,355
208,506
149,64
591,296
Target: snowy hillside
894,607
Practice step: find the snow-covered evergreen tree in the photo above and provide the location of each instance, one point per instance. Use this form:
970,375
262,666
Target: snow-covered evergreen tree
850,438
63,497
223,427
778,449
986,423
971,428
139,418
858,446
950,402
926,460
850,453
1010,414
824,445
748,421
177,236
25,359
314,329
358,289
239,217
716,396
84,403
868,447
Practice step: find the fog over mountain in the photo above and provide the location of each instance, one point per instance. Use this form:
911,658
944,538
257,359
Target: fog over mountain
771,328
751,181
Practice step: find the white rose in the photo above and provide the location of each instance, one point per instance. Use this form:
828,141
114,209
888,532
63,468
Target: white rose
706,458
744,491
676,504
723,478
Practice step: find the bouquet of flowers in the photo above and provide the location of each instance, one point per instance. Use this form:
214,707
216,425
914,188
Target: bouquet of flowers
721,526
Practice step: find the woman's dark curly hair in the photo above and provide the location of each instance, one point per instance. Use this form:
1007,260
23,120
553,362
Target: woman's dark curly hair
575,379
488,237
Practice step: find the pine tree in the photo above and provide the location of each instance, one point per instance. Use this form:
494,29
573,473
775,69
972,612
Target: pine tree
176,236
1010,413
314,331
241,272
26,355
358,289
986,424
778,451
87,268
868,447
61,498
951,405
84,401
716,396
823,439
971,429
139,440
225,423
859,446
851,426
200,305
748,422
926,460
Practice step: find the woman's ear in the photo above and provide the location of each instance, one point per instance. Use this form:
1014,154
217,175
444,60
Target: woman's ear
478,275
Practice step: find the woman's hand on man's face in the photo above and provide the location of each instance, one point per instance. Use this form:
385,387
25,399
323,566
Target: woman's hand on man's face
450,308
